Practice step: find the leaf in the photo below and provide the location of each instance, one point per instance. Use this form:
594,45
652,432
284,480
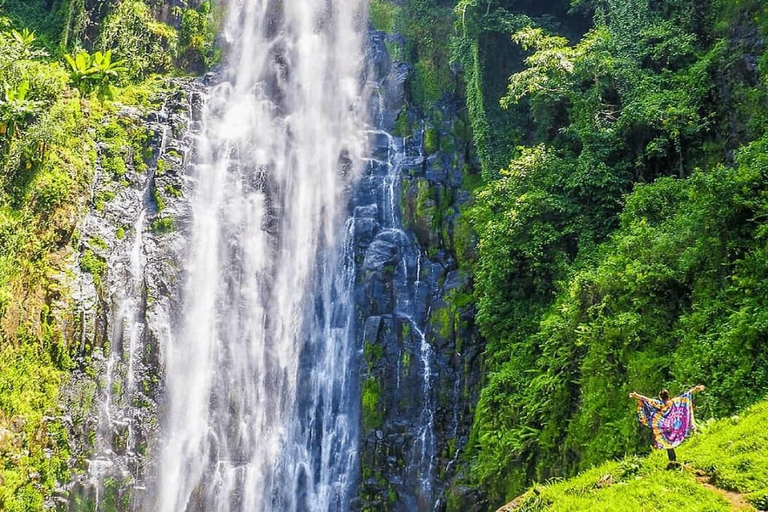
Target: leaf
21,90
71,62
82,61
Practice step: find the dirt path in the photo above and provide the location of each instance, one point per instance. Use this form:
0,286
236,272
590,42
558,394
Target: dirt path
737,501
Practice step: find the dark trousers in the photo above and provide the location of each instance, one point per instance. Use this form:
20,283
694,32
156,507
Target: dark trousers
672,455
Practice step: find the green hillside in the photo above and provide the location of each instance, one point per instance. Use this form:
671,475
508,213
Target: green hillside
725,468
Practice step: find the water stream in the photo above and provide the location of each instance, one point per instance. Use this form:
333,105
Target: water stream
236,331
407,282
114,443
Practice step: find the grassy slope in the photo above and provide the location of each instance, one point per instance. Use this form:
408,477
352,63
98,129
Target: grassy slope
733,452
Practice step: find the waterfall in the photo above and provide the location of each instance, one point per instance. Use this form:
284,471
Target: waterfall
261,411
407,304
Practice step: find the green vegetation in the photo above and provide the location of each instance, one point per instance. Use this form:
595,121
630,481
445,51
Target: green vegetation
94,265
94,72
67,70
172,191
46,160
197,32
734,454
616,236
620,226
162,225
373,415
383,15
146,45
33,446
372,353
426,25
731,453
158,200
47,20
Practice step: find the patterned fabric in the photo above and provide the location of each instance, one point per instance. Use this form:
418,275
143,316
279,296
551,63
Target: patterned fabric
671,422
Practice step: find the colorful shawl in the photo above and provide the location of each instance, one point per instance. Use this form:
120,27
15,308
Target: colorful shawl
671,422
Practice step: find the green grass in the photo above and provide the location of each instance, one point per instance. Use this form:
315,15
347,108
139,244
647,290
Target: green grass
732,451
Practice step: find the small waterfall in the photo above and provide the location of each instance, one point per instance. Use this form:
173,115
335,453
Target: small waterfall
114,454
261,408
408,303
420,347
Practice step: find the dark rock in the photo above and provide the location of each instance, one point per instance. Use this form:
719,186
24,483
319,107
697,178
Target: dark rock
382,252
405,268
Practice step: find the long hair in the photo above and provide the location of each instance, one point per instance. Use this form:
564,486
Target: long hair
664,395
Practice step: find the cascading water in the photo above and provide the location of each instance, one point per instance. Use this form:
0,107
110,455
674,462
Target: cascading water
114,443
242,328
261,412
407,304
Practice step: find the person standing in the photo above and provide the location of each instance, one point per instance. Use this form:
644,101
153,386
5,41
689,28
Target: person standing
670,419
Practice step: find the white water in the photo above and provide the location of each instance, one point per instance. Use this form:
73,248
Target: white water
259,412
406,286
119,385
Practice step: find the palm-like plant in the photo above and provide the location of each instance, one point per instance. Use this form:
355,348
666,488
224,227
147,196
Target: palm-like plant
106,68
25,38
94,72
80,69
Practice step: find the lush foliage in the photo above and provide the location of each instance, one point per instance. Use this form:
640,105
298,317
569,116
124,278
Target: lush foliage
622,244
732,453
197,31
33,444
424,26
619,238
57,103
148,36
146,45
46,155
94,72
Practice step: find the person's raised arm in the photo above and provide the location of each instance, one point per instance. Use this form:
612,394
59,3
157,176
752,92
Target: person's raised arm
698,388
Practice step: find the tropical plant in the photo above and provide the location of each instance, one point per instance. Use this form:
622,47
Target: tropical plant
80,67
106,67
94,72
16,108
25,38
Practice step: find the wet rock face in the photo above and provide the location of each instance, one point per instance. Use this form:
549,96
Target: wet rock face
420,365
131,249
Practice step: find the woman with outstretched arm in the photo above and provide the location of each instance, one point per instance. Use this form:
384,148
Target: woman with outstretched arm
670,419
